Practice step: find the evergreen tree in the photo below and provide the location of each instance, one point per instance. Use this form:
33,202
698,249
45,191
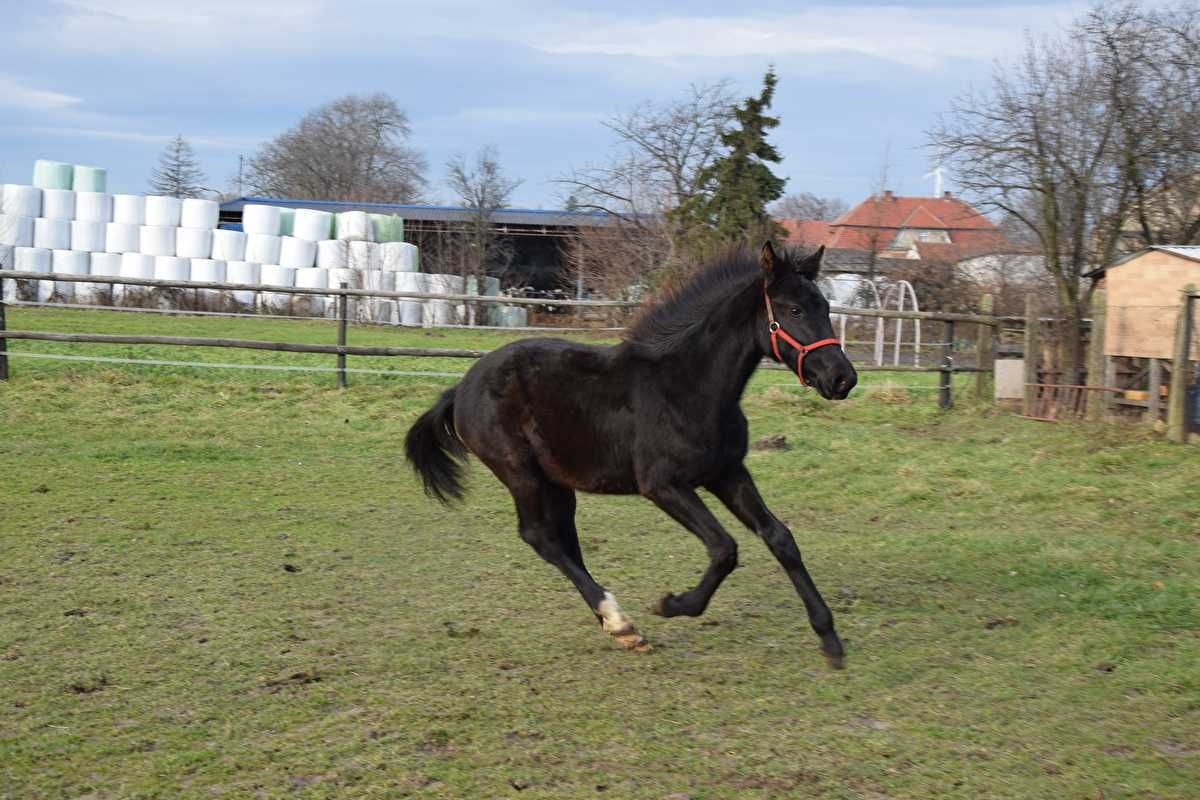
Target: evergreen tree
741,185
178,174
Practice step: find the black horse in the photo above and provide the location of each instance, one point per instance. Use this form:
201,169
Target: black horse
657,415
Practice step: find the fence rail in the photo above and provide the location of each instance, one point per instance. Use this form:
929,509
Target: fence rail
341,350
154,283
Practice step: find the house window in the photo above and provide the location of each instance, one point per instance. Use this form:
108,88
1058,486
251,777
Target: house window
906,238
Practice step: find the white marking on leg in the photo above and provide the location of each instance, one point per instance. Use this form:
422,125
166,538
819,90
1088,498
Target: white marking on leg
612,617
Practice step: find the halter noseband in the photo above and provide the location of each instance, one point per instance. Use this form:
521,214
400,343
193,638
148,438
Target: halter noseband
777,333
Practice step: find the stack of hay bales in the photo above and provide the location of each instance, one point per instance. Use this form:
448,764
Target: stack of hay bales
67,222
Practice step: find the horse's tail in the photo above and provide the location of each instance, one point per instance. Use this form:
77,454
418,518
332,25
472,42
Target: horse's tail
435,452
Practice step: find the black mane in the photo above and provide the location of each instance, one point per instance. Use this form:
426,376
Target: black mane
721,287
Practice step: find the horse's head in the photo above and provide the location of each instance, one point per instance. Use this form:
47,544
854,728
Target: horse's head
801,314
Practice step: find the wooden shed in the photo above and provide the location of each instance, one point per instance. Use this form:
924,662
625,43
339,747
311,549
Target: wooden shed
1143,300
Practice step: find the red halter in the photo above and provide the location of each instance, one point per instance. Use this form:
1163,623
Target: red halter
778,333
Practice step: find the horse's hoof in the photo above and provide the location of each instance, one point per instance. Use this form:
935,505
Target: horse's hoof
633,641
660,606
836,662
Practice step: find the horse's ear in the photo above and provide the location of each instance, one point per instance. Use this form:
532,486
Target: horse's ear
810,267
768,260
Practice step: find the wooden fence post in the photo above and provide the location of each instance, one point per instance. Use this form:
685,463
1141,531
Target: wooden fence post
985,351
1033,347
341,358
945,377
3,342
1154,399
1097,361
1177,425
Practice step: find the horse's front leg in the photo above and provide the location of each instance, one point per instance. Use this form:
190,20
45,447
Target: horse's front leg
684,506
739,494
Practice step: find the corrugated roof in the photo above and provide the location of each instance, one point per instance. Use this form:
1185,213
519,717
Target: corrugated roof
415,211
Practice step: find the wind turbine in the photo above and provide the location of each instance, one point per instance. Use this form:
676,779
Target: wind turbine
936,174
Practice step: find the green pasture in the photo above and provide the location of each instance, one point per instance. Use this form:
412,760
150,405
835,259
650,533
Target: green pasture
226,583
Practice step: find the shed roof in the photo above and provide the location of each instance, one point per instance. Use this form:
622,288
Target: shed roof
417,211
1188,251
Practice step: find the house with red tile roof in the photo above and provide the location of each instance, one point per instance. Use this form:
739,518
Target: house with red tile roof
942,229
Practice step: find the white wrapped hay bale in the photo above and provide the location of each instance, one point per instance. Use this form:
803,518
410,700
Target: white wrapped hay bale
69,262
53,175
378,309
260,220
171,268
287,219
276,275
399,257
16,231
156,240
129,209
32,259
8,289
333,254
297,253
207,270
88,237
193,242
20,200
58,204
52,234
354,226
93,207
364,256
310,305
89,179
242,272
353,280
122,238
134,265
197,213
99,294
263,248
163,212
312,225
228,245
410,312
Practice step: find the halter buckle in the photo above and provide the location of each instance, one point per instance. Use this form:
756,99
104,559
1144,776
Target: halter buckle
774,326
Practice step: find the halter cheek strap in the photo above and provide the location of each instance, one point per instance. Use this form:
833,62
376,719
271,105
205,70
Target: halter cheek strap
777,333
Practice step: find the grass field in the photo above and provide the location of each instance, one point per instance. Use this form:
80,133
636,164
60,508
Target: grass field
227,584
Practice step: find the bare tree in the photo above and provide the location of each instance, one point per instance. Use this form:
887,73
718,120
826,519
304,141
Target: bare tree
1037,147
178,173
354,148
806,205
1091,141
482,187
661,154
1148,61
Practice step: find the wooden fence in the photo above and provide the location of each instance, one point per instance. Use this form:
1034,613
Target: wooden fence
341,349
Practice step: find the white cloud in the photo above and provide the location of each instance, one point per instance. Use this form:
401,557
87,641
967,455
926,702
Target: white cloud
918,37
16,94
216,142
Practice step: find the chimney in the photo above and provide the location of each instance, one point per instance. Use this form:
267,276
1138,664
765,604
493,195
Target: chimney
887,194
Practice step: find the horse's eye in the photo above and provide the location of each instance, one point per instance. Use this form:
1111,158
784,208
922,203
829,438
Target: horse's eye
796,311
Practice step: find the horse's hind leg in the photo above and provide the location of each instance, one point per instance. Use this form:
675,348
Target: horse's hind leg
546,515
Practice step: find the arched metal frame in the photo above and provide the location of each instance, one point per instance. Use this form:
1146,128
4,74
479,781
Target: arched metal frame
896,295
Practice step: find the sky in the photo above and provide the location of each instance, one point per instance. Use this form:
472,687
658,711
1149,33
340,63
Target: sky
108,82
